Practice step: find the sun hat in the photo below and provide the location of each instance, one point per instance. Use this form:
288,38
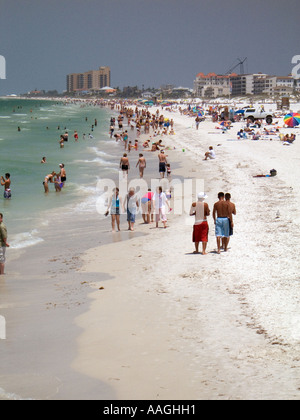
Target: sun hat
202,195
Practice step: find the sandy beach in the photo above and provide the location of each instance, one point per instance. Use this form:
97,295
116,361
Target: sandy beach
148,319
171,324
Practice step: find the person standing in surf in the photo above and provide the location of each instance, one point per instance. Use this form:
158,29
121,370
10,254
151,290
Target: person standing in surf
6,184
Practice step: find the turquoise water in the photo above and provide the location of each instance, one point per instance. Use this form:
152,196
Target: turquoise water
86,161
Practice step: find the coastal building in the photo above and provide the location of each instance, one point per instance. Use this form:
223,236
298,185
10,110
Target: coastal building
284,85
242,85
90,81
263,84
212,85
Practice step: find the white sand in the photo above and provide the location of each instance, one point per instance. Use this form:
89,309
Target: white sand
172,325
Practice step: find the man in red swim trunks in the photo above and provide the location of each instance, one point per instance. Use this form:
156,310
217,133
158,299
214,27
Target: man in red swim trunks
200,232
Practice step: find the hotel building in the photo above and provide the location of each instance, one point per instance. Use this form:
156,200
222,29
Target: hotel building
212,85
92,80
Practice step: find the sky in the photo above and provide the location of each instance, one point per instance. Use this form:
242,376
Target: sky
145,42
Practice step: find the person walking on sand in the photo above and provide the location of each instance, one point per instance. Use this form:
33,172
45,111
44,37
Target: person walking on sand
3,244
142,164
147,206
6,184
232,210
125,139
114,206
162,163
132,206
124,164
201,211
160,201
221,215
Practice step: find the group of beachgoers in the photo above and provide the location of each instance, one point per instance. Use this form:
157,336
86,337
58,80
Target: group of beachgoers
152,204
57,178
253,131
138,118
223,212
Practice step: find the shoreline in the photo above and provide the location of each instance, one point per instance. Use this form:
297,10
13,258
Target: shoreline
216,329
152,315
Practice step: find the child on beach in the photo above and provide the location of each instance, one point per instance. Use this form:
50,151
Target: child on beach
210,154
58,184
168,169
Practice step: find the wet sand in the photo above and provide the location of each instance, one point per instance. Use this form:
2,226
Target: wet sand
139,316
227,324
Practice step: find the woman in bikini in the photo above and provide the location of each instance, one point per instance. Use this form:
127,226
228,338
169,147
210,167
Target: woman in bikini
49,177
142,164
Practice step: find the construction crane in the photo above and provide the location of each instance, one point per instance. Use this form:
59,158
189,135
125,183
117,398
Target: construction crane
240,63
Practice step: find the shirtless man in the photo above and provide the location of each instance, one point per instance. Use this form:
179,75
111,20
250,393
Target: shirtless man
124,164
63,174
6,183
201,211
162,163
142,164
222,215
232,210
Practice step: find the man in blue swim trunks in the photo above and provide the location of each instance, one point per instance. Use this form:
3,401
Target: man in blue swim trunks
222,216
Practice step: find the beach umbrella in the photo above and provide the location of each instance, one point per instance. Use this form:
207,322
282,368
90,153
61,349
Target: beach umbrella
292,119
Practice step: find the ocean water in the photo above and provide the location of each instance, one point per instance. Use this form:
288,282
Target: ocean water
40,124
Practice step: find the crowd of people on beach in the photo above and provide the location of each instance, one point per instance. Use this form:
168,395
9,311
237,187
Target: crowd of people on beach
155,203
152,203
156,127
